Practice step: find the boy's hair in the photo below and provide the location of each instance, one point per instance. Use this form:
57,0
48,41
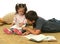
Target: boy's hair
31,15
20,6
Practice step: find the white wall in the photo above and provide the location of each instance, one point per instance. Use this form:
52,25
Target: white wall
45,8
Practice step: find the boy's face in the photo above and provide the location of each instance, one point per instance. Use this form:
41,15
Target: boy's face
21,11
30,22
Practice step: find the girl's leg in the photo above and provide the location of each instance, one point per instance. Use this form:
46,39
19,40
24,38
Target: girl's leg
12,29
18,32
7,31
23,31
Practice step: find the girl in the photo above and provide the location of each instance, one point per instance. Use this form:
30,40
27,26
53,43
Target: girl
19,20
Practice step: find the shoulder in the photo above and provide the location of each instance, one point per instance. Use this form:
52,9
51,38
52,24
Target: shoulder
40,19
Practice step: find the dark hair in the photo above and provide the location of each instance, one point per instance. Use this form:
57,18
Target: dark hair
31,15
20,6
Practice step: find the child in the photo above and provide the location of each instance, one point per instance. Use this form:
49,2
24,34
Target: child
19,20
41,25
33,19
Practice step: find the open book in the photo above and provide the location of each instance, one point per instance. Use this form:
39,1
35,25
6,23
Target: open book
40,37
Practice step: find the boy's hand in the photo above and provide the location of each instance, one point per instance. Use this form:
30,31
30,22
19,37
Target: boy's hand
26,33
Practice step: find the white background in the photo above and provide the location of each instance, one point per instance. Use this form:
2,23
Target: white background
45,8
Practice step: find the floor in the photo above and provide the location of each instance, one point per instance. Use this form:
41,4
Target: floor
17,39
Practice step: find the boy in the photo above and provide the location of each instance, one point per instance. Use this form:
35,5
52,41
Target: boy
40,24
36,21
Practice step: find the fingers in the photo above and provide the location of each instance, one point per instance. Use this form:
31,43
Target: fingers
24,28
26,33
23,34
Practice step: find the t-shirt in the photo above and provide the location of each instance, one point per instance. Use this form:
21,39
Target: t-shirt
52,25
39,23
19,19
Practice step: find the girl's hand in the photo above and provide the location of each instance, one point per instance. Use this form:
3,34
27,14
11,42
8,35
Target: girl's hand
21,24
12,24
25,28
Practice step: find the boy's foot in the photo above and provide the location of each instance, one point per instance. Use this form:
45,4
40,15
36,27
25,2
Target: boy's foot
7,31
18,32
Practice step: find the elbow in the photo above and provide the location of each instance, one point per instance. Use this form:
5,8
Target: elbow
37,33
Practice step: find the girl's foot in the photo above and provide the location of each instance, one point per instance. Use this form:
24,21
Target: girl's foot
18,32
7,31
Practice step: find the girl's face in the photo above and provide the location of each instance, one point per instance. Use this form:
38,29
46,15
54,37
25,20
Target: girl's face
21,11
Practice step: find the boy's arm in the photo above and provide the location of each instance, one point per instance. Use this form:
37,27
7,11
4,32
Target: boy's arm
26,33
33,31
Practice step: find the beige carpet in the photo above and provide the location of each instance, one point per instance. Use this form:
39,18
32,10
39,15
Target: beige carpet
17,39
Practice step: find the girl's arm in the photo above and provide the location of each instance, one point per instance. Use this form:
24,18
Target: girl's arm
14,20
12,24
21,24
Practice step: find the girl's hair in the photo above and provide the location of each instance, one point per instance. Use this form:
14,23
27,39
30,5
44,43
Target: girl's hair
31,15
20,6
